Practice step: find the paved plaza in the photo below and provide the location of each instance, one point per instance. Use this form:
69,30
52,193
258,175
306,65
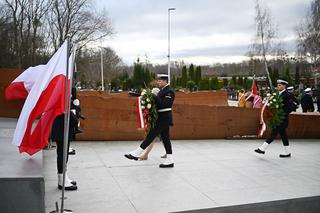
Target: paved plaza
207,174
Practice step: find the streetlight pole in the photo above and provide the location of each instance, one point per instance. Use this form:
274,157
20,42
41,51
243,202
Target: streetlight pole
102,82
169,77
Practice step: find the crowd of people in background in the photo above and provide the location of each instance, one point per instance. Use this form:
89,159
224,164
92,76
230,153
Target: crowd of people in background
249,99
307,98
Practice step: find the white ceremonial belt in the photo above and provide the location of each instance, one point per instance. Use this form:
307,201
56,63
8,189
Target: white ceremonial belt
164,110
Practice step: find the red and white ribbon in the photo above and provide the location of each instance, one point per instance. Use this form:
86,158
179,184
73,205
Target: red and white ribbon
263,125
249,97
257,101
141,123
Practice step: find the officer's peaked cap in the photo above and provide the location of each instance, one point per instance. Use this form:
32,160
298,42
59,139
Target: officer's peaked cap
162,77
280,81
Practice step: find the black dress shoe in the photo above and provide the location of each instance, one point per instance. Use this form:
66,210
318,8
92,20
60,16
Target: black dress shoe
166,165
131,157
68,188
285,156
259,151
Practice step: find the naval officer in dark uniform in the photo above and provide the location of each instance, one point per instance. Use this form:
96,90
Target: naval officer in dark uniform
57,135
288,107
164,101
307,101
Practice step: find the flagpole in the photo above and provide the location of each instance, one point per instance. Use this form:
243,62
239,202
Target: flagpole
66,125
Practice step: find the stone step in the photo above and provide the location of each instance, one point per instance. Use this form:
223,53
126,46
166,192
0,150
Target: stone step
295,205
22,179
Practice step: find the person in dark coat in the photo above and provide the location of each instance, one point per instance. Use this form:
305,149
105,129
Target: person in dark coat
293,97
307,101
288,107
318,100
57,135
164,101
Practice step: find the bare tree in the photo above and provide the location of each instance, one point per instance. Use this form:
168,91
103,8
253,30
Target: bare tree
6,55
25,20
89,65
3,14
309,34
36,11
14,15
265,34
32,29
78,19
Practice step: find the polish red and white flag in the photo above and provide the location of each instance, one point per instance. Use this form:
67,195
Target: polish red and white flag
21,86
254,90
43,87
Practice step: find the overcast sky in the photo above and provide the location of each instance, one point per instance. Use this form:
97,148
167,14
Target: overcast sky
202,31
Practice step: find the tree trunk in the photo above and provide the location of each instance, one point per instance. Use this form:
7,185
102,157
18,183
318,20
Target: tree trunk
265,60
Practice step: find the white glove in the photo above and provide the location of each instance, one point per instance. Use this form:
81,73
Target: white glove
155,91
76,102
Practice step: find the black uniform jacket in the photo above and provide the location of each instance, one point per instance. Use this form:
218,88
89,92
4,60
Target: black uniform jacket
287,107
164,101
307,103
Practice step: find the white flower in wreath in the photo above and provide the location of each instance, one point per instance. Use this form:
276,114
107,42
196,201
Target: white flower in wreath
148,100
143,102
277,106
143,93
149,106
142,107
268,94
274,93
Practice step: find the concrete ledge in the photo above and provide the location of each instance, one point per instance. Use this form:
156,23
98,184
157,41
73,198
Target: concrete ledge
21,177
297,205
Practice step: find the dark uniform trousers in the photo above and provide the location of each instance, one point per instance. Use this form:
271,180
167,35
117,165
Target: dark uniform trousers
60,155
163,130
282,128
57,135
164,100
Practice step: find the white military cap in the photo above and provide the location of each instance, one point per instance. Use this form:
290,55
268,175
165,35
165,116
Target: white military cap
162,76
307,90
280,81
290,88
